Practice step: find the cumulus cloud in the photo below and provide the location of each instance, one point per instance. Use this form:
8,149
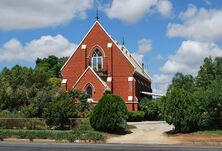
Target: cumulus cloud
158,57
190,56
138,57
165,8
57,45
26,14
132,11
144,46
198,24
161,82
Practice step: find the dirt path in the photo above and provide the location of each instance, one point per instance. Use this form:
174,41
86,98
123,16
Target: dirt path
149,132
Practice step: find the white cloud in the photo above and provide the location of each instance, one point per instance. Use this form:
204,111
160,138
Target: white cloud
198,24
158,57
132,11
165,8
190,56
26,14
162,78
59,46
138,57
144,45
208,2
161,83
190,12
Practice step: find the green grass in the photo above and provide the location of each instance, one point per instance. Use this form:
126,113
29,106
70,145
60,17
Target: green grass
218,132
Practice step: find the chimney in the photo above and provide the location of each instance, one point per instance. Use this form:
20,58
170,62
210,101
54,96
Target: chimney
143,67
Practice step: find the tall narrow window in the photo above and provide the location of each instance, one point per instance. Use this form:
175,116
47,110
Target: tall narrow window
89,91
97,60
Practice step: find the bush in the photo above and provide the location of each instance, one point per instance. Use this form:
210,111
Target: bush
135,116
210,105
71,136
60,110
109,114
181,110
14,123
150,109
83,107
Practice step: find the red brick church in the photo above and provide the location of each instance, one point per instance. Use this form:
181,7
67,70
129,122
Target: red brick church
100,65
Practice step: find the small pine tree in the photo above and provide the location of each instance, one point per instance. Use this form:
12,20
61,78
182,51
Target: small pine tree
109,114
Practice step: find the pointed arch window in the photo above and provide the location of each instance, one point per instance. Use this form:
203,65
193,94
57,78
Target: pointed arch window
89,91
97,60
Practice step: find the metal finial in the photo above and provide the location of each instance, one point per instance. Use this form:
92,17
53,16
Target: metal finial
97,14
123,43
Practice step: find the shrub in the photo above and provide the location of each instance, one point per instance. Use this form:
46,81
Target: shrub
109,114
181,110
150,109
60,110
135,116
71,136
210,105
83,107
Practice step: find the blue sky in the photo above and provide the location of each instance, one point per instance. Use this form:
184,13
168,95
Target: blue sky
167,36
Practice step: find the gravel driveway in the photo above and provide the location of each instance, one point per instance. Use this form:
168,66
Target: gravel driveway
149,132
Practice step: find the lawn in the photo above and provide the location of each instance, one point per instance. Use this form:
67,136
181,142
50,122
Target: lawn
215,132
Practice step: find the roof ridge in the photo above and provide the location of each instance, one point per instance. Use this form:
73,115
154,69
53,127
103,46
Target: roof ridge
89,67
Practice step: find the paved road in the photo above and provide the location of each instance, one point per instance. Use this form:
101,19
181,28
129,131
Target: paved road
148,132
9,146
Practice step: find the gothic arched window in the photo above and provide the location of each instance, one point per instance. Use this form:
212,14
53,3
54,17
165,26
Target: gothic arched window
89,91
97,60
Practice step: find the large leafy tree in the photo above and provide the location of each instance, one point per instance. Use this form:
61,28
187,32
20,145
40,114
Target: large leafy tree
201,95
210,105
207,73
51,65
182,81
22,86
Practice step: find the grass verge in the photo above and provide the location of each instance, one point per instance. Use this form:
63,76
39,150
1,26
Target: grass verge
214,132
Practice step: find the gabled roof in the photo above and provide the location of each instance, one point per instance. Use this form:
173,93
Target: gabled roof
90,68
129,57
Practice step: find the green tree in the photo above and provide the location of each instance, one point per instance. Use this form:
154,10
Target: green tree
206,73
150,109
181,110
83,106
185,82
210,104
60,110
110,114
51,65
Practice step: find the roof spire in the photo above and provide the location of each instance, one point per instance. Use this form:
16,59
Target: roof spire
123,43
97,14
